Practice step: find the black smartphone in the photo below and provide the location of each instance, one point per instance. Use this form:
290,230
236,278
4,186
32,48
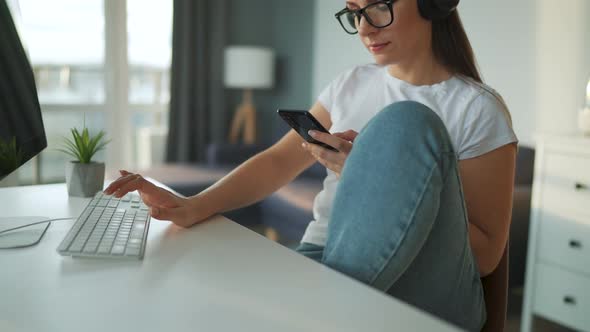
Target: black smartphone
302,122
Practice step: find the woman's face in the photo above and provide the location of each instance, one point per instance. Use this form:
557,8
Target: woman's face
408,35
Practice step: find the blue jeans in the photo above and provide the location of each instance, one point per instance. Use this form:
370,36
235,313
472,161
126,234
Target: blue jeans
399,221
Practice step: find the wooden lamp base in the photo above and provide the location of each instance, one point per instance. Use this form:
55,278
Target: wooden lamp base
244,121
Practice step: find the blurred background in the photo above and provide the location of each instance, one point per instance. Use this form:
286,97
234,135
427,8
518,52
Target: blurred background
151,74
85,53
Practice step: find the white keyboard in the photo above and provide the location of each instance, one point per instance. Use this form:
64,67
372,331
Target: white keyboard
109,227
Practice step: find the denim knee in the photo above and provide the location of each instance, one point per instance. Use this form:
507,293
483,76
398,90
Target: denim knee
409,122
409,112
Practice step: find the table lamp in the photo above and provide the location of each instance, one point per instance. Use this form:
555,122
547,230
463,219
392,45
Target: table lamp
247,68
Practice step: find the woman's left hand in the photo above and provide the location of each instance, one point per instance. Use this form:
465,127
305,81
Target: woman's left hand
330,159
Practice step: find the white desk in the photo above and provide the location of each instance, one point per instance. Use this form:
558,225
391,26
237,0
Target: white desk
217,276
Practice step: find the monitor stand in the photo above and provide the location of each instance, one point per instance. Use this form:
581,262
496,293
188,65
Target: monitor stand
22,237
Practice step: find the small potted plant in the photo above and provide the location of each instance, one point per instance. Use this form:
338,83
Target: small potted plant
84,177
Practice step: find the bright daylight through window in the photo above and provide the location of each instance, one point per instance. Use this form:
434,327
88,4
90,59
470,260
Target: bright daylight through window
72,55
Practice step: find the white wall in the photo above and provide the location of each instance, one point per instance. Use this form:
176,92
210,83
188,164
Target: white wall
502,34
563,63
536,53
334,49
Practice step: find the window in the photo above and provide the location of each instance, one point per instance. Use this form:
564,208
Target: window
86,73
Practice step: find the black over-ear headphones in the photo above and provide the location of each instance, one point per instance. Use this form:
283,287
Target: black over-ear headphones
436,9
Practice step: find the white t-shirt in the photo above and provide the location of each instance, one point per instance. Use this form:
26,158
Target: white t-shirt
475,116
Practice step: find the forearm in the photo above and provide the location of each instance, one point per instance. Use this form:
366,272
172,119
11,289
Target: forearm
249,183
485,249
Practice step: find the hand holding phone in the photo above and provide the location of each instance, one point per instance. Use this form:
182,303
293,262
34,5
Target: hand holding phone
302,122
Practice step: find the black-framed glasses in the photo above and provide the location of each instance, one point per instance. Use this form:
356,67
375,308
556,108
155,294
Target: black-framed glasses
378,14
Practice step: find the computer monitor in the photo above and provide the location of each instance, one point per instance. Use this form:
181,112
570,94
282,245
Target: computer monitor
22,135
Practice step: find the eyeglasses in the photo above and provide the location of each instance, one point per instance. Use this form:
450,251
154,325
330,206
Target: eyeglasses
378,15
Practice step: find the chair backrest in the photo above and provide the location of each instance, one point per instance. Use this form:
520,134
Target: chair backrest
495,289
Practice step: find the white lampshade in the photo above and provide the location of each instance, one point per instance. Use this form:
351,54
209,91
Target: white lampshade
249,67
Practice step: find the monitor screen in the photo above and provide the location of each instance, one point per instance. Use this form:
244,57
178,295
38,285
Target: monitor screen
21,127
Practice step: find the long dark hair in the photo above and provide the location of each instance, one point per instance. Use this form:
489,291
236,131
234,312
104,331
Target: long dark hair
452,48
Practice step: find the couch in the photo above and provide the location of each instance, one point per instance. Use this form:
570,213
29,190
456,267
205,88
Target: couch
287,211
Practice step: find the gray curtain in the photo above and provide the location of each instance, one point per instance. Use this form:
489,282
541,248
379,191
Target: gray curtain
197,110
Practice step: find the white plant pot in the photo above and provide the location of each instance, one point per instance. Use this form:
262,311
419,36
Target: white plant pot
84,180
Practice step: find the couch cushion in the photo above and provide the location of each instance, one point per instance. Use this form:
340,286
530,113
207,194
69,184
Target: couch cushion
224,154
186,179
317,171
290,209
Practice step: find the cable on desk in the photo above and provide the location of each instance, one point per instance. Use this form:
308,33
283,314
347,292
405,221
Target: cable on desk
32,224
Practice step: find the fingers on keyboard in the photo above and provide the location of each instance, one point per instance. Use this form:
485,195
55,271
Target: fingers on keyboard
134,184
120,183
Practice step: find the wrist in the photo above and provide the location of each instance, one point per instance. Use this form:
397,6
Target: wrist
199,208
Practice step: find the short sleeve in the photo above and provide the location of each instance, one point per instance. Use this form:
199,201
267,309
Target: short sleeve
326,97
330,94
487,126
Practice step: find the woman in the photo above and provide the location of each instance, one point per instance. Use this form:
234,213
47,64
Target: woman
418,204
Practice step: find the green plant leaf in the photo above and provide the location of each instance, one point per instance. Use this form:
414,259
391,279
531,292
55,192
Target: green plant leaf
82,145
11,156
68,152
71,147
93,144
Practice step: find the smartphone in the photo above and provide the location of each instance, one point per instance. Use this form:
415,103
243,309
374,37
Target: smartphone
302,122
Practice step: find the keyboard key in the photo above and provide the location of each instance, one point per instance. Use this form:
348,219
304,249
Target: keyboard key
97,232
118,249
108,228
134,241
91,247
83,236
132,251
136,234
104,249
76,247
138,229
121,240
